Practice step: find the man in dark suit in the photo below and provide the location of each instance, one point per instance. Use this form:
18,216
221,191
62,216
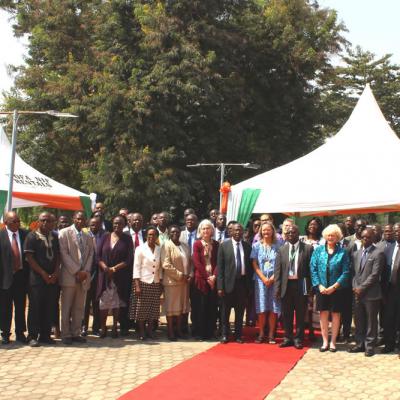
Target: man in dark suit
233,280
292,281
354,244
367,267
14,272
391,284
221,233
96,233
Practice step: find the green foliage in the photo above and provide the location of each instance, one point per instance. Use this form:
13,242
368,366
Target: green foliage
342,88
158,85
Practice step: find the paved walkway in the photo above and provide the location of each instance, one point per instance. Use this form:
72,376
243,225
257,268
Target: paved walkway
108,368
341,375
100,369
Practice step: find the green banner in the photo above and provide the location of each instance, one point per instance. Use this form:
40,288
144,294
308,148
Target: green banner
3,200
247,203
87,205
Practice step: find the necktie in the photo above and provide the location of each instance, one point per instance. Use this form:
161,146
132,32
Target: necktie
238,260
292,259
190,240
16,253
363,259
219,236
80,243
137,243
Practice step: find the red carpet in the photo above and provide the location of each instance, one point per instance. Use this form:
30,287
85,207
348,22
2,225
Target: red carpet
238,371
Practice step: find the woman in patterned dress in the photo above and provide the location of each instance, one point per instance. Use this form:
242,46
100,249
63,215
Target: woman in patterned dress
264,255
147,284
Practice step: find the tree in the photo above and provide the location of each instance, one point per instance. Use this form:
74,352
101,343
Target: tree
342,88
161,84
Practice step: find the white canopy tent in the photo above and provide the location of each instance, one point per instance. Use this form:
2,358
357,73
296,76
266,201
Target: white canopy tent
32,188
353,172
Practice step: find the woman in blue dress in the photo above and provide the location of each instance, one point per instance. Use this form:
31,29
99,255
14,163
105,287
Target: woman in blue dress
263,256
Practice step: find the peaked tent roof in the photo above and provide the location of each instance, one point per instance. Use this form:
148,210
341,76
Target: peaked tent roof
32,188
353,172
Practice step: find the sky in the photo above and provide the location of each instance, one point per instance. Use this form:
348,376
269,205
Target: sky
371,24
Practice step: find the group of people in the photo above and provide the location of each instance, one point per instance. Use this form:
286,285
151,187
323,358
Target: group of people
198,273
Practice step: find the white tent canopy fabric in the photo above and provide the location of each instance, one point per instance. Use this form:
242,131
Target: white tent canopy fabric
354,171
31,187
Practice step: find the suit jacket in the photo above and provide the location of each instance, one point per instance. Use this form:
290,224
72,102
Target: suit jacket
282,264
368,278
6,259
173,268
387,270
226,266
72,260
339,267
199,265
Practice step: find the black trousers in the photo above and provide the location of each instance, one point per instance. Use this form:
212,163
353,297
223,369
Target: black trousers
347,311
205,316
294,302
92,302
236,300
392,316
366,321
15,294
42,303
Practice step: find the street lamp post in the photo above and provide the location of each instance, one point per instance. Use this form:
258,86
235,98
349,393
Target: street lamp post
16,115
222,170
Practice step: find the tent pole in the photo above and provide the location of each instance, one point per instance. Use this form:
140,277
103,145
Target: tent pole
222,168
12,160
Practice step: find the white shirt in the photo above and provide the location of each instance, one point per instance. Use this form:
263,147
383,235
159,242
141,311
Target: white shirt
296,259
146,265
358,243
133,235
219,233
234,243
396,249
10,236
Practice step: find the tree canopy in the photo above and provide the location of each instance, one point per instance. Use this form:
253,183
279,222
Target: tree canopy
158,85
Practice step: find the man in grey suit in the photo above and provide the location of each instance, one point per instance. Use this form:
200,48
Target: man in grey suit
77,249
292,283
367,266
233,280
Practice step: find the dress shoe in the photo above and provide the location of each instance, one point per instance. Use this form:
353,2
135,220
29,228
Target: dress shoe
96,333
47,340
298,345
239,340
33,343
271,340
387,350
260,339
172,338
332,349
5,340
286,343
84,332
369,353
356,349
323,349
21,338
224,340
79,339
67,341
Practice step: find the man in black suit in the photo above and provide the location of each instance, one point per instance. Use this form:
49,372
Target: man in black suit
367,267
233,280
292,281
221,232
14,273
391,283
